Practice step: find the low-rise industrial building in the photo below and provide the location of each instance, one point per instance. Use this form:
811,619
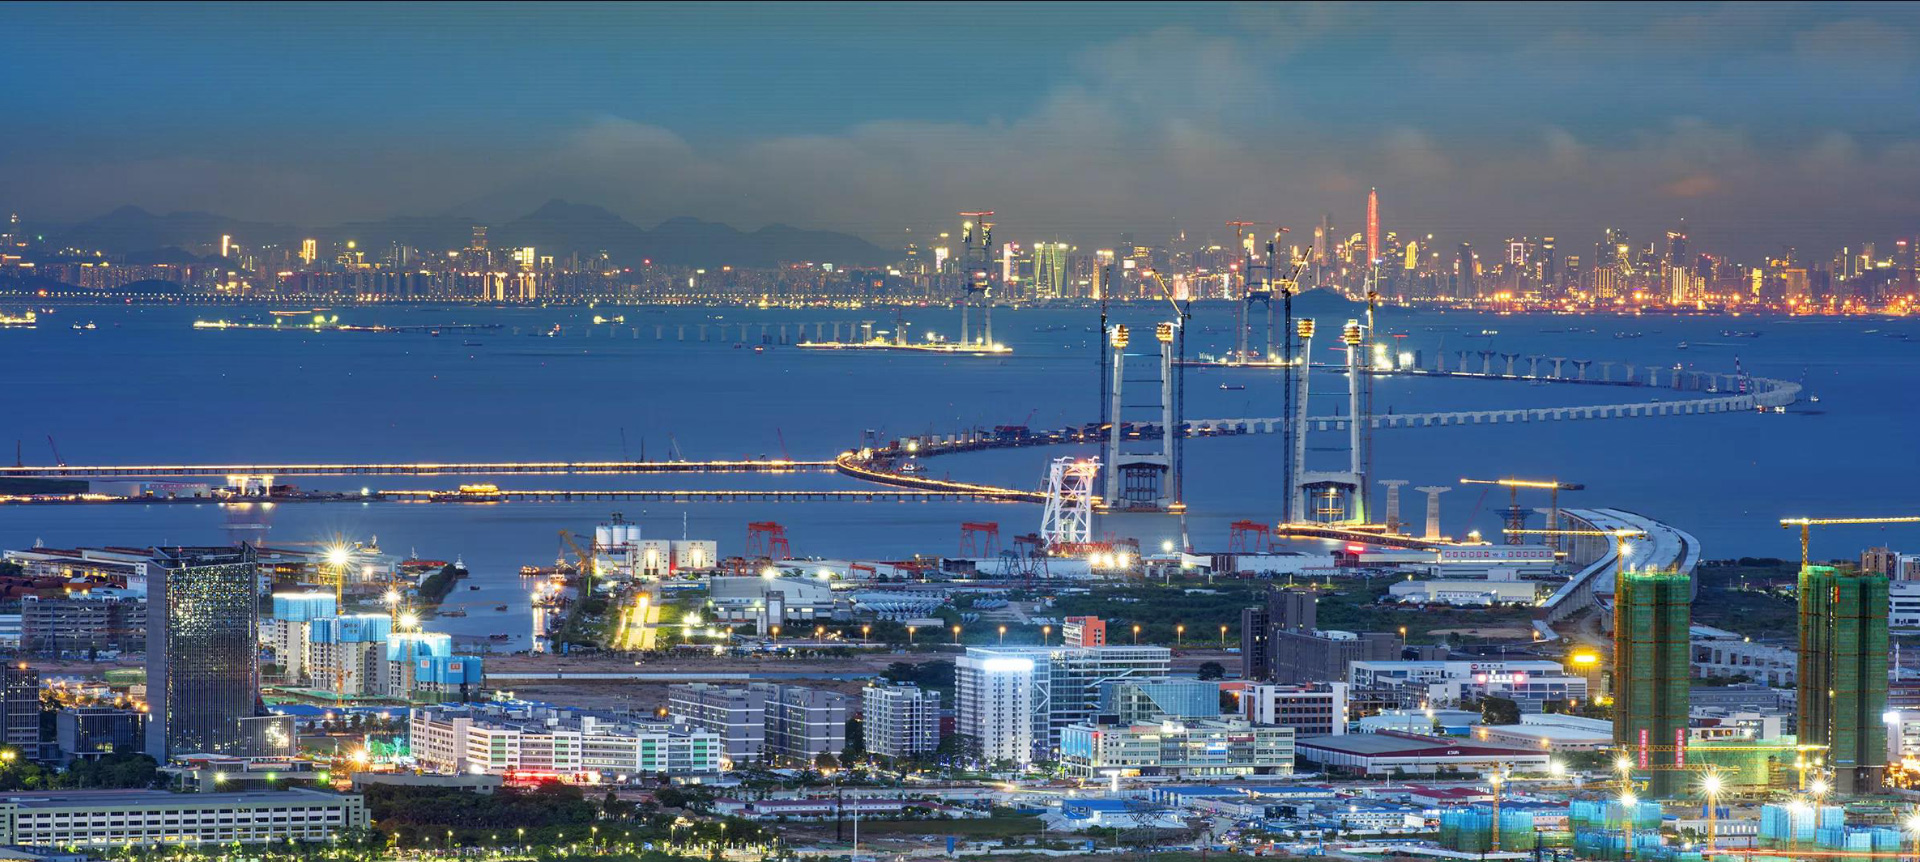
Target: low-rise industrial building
156,818
1388,752
1177,748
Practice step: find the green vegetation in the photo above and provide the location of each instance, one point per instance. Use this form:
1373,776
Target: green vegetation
435,588
126,770
936,675
1353,605
548,815
1752,597
1158,610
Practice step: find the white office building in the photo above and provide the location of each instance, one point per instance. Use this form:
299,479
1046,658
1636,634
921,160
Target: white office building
498,739
900,720
1313,709
1061,687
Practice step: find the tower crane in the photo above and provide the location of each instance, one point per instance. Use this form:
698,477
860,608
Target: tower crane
1517,517
584,563
1806,526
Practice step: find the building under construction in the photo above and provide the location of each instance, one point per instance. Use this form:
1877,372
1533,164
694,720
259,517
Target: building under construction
1651,655
1843,673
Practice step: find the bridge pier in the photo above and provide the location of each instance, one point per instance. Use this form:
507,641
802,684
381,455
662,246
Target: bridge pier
1486,363
1580,368
1557,360
1606,371
1510,357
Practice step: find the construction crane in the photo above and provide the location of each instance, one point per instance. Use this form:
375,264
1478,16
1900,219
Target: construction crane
57,460
584,564
1516,516
1806,526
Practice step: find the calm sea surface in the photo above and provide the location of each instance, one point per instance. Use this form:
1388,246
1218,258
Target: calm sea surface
145,387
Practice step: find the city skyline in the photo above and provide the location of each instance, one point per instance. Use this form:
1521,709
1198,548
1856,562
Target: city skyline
1475,122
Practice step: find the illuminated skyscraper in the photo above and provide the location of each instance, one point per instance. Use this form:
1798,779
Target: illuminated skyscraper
1050,269
1465,285
203,649
1373,224
309,251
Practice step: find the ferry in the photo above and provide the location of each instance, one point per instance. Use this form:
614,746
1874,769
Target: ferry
27,320
88,325
453,613
1232,387
912,467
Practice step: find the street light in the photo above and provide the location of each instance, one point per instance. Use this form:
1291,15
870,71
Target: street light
1710,786
1179,634
1136,634
864,631
1003,635
1223,638
1913,829
910,637
956,635
1046,632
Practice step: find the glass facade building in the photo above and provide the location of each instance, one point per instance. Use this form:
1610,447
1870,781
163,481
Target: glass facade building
203,646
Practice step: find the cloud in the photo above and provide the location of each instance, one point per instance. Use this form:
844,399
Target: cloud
1475,121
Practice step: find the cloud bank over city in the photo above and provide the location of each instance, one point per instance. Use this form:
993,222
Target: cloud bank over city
1762,125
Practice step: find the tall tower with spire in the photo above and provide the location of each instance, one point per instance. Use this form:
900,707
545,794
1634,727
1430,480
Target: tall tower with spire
1373,225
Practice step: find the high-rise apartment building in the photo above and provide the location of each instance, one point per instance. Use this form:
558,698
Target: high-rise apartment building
203,646
899,720
1842,678
763,721
20,709
1652,615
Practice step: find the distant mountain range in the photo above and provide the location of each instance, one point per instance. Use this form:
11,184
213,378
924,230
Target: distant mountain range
558,228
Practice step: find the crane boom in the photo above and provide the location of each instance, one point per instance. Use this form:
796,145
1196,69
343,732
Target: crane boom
1806,526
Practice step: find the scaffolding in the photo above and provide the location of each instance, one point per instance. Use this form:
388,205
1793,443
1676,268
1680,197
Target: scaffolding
1843,673
1652,658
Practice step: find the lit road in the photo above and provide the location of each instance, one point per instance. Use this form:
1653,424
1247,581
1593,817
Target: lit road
469,468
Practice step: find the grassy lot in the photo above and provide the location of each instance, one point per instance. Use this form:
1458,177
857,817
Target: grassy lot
1755,599
1346,604
1351,605
991,827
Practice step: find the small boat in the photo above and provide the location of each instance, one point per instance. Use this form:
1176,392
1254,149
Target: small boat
501,608
473,586
469,344
1232,387
453,613
912,467
1814,398
499,637
87,325
1681,346
759,348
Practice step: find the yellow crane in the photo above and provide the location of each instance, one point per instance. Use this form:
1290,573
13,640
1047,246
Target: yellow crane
1806,526
1516,517
585,565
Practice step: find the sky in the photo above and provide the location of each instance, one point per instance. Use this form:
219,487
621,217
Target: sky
1764,125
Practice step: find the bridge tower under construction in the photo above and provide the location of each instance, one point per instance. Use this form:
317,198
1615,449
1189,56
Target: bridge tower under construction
1337,496
976,267
1142,470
